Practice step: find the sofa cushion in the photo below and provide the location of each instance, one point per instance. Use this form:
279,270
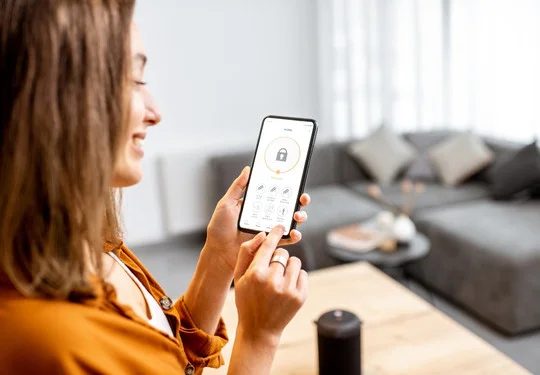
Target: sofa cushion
323,168
349,170
331,207
421,168
534,192
435,195
460,157
425,140
485,255
383,154
518,174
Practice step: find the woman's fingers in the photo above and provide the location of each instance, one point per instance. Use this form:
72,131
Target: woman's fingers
305,200
300,217
279,261
236,190
302,284
272,289
267,248
295,236
247,252
292,272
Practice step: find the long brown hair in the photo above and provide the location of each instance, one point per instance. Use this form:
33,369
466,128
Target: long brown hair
64,68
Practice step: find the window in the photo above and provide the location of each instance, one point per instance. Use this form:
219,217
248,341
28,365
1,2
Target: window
424,64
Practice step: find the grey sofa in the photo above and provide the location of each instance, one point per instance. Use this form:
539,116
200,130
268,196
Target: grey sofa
485,254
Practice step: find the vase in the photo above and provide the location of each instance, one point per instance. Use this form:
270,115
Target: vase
385,221
404,229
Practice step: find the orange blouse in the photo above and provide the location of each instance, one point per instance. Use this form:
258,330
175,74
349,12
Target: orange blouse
102,336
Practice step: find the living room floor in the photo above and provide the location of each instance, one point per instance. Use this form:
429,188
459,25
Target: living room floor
173,264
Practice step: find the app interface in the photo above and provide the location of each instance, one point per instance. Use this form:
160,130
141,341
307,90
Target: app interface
276,174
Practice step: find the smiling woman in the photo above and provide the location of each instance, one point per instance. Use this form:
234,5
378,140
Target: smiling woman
144,113
74,113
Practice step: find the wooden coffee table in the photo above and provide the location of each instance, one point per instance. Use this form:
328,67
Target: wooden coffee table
402,334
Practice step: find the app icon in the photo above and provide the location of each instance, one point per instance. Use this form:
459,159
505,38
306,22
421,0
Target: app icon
269,208
261,188
282,155
287,192
282,211
274,190
257,206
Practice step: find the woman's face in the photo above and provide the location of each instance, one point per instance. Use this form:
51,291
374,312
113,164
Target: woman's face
143,113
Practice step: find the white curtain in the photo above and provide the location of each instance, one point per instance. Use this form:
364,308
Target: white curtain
425,64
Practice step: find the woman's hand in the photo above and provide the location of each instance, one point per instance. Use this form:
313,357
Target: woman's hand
224,238
268,293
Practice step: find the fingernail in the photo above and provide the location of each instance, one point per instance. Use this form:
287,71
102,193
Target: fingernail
281,228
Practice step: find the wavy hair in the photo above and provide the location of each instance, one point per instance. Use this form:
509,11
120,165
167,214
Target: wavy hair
64,69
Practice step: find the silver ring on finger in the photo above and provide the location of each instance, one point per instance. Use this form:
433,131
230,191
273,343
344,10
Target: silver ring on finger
280,259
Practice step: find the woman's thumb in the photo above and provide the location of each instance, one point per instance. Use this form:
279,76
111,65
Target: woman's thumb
246,254
236,190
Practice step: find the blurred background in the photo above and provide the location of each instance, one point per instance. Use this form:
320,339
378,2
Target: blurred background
217,68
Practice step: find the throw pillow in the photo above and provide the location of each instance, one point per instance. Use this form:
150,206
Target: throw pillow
504,150
383,154
460,157
518,174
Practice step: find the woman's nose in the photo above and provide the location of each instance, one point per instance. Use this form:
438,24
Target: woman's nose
153,114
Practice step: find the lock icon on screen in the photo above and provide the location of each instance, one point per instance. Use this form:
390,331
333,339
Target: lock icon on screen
282,154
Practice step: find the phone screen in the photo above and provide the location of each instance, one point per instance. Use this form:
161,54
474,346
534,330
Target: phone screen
277,174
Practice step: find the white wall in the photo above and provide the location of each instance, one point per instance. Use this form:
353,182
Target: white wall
216,68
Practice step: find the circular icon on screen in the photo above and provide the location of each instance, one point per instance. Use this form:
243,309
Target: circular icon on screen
282,155
261,188
269,209
274,190
282,211
287,192
257,206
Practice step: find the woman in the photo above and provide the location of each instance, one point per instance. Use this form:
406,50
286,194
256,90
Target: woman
74,111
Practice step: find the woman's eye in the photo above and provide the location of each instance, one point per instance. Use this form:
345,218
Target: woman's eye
140,83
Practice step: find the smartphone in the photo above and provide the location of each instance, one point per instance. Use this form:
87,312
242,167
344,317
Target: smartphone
278,174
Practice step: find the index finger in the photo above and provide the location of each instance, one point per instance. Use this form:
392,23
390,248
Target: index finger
267,248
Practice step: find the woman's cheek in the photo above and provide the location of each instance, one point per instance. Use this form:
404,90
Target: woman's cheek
137,109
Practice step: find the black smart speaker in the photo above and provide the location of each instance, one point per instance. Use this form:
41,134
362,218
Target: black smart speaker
339,342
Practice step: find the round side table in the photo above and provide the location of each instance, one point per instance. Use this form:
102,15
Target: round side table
417,249
391,263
